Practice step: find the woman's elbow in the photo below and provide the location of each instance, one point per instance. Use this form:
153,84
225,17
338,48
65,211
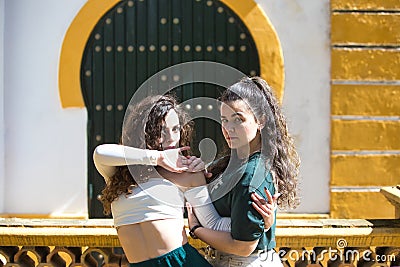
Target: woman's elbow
100,149
100,152
97,155
246,252
246,248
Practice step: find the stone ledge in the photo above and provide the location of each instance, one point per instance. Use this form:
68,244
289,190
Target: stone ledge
392,193
289,232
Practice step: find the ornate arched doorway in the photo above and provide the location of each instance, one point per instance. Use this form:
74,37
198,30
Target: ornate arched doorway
135,39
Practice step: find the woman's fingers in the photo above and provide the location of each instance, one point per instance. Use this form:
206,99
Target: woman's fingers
193,164
174,168
184,148
258,198
177,167
171,159
197,165
192,219
258,209
264,211
207,174
269,196
276,196
261,204
186,160
189,208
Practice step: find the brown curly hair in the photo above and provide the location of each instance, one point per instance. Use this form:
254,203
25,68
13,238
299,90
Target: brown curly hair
142,128
266,109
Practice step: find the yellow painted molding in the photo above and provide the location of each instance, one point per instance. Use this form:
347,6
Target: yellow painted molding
72,49
365,64
365,205
54,223
365,5
44,216
365,170
261,29
365,135
56,236
293,233
266,40
365,28
325,237
365,100
303,216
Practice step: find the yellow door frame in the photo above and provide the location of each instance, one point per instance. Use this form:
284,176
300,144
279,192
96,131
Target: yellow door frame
258,24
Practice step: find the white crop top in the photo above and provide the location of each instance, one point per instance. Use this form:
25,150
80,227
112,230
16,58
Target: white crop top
156,199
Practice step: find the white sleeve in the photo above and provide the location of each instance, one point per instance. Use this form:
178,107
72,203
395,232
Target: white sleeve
107,156
205,211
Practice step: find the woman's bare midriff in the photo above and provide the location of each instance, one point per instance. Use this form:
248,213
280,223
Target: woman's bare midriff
147,240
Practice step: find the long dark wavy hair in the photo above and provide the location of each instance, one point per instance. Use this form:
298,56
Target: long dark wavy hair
278,148
142,129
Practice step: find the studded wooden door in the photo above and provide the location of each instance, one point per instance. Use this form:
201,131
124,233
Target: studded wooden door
136,39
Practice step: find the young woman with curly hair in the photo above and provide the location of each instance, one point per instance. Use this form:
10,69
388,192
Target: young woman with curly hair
147,202
146,205
261,161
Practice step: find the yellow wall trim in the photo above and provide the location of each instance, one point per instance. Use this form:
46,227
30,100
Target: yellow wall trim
365,64
262,31
266,40
364,106
80,216
365,135
365,5
365,170
365,28
361,205
72,51
365,100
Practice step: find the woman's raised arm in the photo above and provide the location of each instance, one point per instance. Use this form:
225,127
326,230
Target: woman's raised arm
107,156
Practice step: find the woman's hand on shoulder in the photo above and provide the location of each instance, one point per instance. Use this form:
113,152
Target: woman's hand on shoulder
266,208
195,164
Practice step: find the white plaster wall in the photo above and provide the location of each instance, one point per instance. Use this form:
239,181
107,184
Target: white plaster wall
303,29
45,145
2,166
